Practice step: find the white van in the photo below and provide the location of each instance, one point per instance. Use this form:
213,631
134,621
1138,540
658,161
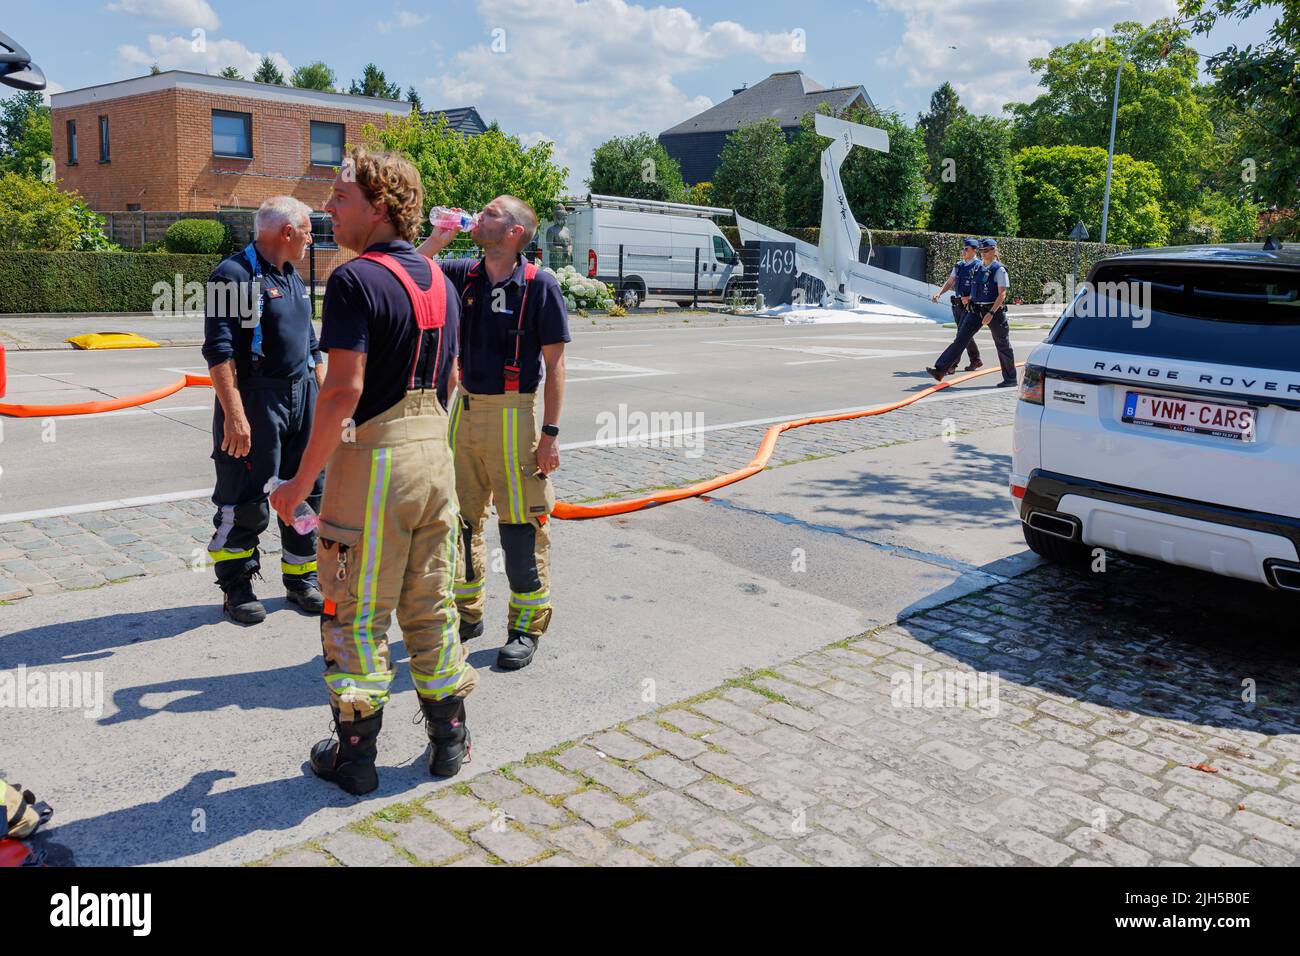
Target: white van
659,243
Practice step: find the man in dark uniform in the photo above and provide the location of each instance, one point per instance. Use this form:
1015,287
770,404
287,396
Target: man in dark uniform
959,280
265,365
988,303
513,322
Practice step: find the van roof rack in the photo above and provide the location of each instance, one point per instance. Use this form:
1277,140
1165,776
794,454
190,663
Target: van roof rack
653,205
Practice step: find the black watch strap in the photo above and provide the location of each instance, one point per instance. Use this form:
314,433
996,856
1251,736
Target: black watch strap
551,430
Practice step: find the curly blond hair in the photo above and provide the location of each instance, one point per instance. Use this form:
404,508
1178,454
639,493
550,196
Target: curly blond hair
390,180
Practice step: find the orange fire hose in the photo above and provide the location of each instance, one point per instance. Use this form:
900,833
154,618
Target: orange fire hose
565,511
107,404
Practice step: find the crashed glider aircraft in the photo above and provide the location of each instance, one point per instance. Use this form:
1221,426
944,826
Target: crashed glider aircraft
835,259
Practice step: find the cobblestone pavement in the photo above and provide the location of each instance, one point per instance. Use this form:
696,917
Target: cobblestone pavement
89,550
1131,724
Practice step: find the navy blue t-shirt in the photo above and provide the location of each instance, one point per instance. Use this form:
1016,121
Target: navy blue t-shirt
367,310
490,316
230,310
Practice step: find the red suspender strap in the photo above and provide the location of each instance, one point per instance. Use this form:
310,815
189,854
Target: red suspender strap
512,368
429,306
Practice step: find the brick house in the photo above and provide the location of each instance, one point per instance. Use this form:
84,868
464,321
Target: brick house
152,149
788,97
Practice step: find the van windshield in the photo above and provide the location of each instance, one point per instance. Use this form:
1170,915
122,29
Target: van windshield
1207,313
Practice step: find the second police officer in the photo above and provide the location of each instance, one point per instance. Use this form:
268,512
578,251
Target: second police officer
989,287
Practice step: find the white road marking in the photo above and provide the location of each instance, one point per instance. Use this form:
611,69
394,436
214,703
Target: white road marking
836,351
601,378
104,505
38,374
811,362
947,394
646,346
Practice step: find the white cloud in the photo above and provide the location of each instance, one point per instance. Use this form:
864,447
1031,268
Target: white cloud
404,20
212,56
995,39
581,72
176,13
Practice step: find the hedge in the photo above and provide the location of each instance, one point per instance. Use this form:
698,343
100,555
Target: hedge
35,282
1032,263
198,237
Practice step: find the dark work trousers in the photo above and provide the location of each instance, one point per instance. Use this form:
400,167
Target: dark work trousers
959,312
998,327
279,412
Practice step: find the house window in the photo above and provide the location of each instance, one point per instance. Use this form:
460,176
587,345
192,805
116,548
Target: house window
322,231
103,139
232,134
72,142
326,144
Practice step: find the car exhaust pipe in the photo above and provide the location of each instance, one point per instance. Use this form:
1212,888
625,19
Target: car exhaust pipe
1058,526
1283,576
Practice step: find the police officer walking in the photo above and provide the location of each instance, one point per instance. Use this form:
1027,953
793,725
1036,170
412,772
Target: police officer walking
989,286
264,361
513,322
959,280
389,523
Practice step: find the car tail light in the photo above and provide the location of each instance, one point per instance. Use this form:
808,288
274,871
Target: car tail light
1017,491
591,263
1031,386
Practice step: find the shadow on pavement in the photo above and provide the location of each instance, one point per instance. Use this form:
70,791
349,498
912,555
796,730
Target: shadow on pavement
1140,638
79,642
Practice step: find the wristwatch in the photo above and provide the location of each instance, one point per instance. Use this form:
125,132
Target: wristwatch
551,430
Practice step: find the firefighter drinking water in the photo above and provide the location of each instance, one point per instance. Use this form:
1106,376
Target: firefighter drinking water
388,516
265,365
513,322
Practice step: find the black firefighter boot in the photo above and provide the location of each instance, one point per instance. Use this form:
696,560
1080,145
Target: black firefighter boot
449,740
349,761
241,603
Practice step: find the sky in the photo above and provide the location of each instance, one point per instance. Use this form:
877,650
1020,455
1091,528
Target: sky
577,72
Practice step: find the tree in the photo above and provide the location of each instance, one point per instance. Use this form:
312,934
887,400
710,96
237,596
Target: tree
884,190
14,112
374,83
33,151
232,73
977,192
945,107
637,167
314,76
1161,119
154,70
701,194
38,215
471,171
1262,81
1062,185
412,97
268,72
749,173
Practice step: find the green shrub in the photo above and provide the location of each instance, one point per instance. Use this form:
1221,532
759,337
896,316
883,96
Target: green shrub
197,237
34,282
35,214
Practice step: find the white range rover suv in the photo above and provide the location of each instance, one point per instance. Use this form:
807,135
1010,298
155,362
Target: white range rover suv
1168,426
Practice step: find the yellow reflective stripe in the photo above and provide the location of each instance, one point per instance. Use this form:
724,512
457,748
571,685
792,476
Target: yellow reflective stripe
305,568
510,427
455,423
230,555
470,587
372,545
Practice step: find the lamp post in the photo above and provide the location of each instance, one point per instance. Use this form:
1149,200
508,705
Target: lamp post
1114,112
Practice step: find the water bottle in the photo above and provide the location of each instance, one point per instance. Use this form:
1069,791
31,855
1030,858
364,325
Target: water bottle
304,519
456,220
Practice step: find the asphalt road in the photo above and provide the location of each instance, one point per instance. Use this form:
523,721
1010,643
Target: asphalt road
696,378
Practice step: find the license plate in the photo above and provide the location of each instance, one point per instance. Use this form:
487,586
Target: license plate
1186,415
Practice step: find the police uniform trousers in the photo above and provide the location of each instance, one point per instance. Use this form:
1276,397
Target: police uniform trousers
388,537
494,440
999,328
279,413
959,313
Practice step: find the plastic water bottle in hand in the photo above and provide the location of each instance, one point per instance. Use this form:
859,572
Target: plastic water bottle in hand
304,519
452,220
